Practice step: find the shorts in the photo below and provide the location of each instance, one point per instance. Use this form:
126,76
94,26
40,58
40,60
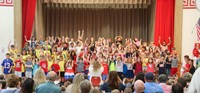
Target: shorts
104,76
29,74
18,73
96,81
23,74
62,74
173,70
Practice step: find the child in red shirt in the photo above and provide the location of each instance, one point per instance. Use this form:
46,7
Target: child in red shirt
18,66
150,65
55,67
105,71
44,65
187,66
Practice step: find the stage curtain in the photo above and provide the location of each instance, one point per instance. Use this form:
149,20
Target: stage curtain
164,23
108,23
28,13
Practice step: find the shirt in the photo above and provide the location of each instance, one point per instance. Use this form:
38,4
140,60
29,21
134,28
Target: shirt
7,64
151,87
49,64
119,66
112,66
18,65
44,65
105,66
48,87
61,64
174,63
55,67
166,88
10,90
80,66
29,64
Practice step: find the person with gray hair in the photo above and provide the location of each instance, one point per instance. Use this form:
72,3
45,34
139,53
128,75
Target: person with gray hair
49,86
162,80
85,86
139,86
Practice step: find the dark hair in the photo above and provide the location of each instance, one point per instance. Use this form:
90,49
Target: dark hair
140,76
162,78
183,82
177,88
8,54
3,83
27,86
113,80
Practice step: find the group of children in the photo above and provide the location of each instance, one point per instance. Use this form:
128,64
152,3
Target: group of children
67,57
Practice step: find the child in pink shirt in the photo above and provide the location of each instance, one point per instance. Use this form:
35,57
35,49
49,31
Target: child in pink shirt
150,65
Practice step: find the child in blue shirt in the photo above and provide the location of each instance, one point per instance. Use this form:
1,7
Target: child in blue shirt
7,65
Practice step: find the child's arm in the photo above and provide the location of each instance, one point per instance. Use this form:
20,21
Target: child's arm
159,40
9,45
169,41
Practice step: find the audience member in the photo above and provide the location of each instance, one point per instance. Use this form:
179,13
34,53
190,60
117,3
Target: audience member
75,86
162,80
194,86
177,88
128,90
39,77
49,86
27,86
12,82
150,86
113,82
94,90
85,86
139,86
115,91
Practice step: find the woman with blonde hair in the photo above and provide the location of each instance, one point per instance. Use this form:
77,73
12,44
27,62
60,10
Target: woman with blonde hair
95,71
75,86
39,77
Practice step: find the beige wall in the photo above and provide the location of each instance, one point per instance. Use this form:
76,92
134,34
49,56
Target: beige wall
18,23
178,26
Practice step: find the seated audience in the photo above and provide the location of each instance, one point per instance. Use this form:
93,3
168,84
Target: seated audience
49,86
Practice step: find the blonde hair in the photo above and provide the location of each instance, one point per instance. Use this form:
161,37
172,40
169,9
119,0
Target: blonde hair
76,83
39,77
96,65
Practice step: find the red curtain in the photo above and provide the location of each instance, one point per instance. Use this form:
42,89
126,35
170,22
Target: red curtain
164,22
28,14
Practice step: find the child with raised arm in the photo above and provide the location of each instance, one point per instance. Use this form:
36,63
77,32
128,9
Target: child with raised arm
62,68
55,66
69,71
